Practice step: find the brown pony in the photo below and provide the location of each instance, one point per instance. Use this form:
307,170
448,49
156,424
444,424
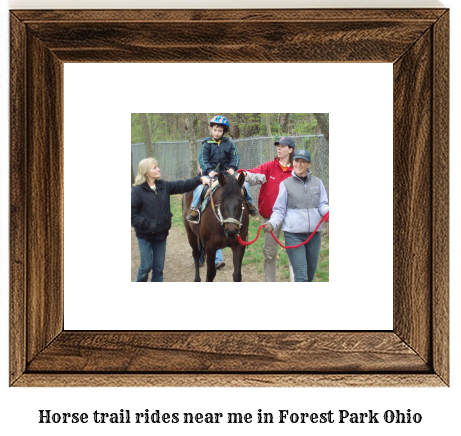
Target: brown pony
219,228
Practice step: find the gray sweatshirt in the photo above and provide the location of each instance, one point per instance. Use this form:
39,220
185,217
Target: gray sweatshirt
300,204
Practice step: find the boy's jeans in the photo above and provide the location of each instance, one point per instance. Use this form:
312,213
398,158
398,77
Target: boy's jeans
304,259
152,258
198,192
217,259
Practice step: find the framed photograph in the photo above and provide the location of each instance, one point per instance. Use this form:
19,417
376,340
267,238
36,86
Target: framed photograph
414,353
180,142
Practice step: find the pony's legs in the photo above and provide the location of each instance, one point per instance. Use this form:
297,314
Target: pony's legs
201,254
196,256
191,236
238,251
195,251
210,262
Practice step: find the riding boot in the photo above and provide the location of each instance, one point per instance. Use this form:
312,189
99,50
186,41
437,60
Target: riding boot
193,217
252,210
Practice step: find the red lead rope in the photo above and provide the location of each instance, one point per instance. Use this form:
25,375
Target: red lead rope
324,218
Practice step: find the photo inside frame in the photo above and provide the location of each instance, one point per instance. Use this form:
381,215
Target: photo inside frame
178,147
99,292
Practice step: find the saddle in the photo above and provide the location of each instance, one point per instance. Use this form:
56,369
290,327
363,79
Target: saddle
205,197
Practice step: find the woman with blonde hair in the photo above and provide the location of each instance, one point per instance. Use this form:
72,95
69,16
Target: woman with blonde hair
151,215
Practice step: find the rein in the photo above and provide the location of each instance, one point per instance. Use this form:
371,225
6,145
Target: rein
242,242
213,207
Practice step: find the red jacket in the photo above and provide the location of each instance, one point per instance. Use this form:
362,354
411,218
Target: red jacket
269,190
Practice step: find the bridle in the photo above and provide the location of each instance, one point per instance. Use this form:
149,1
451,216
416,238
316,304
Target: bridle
230,220
227,220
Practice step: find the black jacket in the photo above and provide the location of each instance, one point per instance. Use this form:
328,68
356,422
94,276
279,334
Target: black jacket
150,210
225,154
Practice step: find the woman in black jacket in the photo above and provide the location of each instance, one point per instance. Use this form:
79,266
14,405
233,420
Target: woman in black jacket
151,215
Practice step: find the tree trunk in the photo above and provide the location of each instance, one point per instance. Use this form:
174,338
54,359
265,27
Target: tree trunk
204,126
268,125
284,119
270,147
323,121
234,129
191,126
146,134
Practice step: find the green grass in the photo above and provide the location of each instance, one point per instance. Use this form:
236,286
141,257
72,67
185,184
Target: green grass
176,210
323,267
254,252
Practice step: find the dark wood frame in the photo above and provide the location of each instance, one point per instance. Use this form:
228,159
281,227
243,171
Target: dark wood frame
414,353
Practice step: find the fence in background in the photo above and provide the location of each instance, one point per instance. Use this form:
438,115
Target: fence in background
174,156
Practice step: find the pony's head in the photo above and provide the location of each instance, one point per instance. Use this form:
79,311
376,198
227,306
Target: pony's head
231,203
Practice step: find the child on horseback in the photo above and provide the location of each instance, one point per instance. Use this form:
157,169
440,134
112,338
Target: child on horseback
218,154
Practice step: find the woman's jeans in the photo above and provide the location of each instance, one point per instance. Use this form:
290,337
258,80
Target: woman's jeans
304,259
152,258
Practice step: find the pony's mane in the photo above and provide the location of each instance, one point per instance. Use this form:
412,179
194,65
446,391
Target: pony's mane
231,188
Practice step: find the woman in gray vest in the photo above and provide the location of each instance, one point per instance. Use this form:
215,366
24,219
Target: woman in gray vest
302,201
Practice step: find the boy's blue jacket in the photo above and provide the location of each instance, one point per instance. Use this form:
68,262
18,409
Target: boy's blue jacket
213,153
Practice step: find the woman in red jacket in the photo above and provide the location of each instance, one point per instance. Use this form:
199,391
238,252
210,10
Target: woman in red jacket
270,175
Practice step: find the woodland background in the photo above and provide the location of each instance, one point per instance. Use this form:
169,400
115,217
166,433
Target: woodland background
174,139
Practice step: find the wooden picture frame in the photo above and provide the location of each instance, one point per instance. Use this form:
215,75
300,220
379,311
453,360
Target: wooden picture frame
414,353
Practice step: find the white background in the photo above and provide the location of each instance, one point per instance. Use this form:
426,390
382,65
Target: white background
439,407
97,221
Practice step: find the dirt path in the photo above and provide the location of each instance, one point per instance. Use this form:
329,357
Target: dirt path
179,265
